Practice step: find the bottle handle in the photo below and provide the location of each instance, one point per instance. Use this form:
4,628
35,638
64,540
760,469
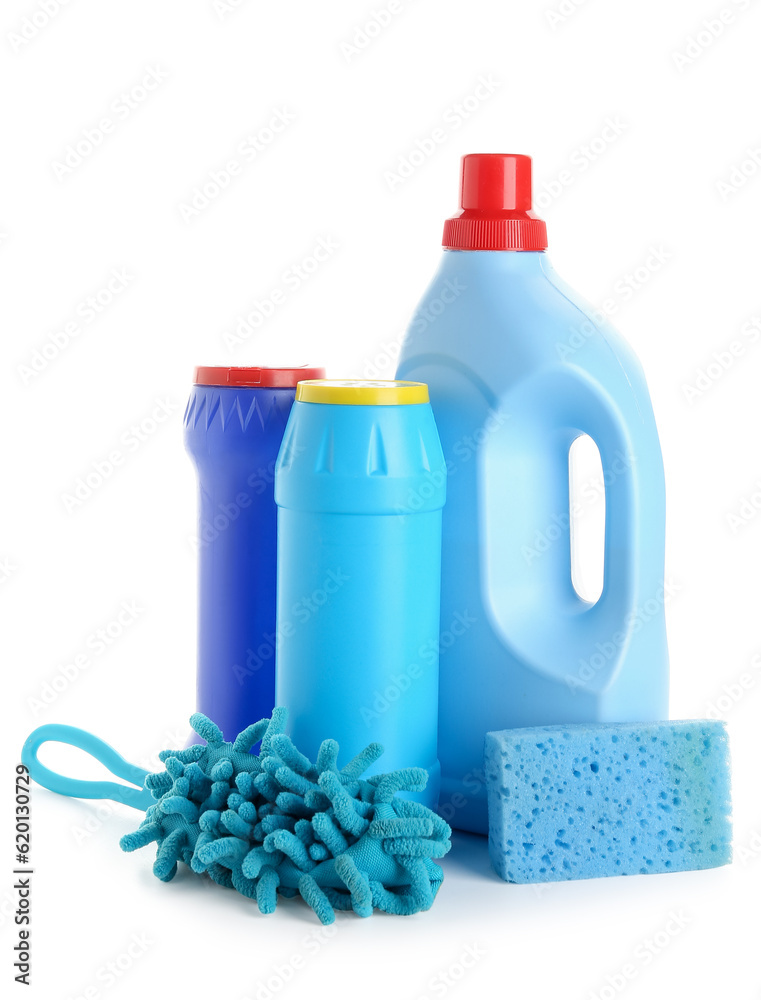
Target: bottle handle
625,504
138,797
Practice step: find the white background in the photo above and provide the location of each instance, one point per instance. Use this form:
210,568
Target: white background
686,124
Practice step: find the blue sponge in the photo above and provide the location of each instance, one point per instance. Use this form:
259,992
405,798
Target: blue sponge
587,800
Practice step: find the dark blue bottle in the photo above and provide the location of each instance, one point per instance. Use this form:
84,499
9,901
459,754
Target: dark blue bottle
234,425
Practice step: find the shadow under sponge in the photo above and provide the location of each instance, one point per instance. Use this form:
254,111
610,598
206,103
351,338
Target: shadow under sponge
597,799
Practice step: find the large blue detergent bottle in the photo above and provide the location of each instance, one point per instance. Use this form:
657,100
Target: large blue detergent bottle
518,368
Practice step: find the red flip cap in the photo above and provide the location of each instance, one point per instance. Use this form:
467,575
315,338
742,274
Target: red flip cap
495,201
256,378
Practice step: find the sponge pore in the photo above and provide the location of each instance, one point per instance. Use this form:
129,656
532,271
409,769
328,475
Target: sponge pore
589,800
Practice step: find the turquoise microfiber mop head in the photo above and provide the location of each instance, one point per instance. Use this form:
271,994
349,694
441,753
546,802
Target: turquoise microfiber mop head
341,841
275,823
196,780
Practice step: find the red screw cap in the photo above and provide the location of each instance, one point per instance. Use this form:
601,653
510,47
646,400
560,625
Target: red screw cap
255,378
495,202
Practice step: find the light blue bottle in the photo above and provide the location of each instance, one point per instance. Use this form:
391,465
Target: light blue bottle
360,483
517,370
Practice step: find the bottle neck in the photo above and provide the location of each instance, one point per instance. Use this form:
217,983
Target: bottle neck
497,261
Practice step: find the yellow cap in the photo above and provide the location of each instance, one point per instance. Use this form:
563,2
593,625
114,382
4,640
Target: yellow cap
349,392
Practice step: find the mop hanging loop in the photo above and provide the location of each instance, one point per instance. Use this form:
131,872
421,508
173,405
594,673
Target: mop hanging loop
138,797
